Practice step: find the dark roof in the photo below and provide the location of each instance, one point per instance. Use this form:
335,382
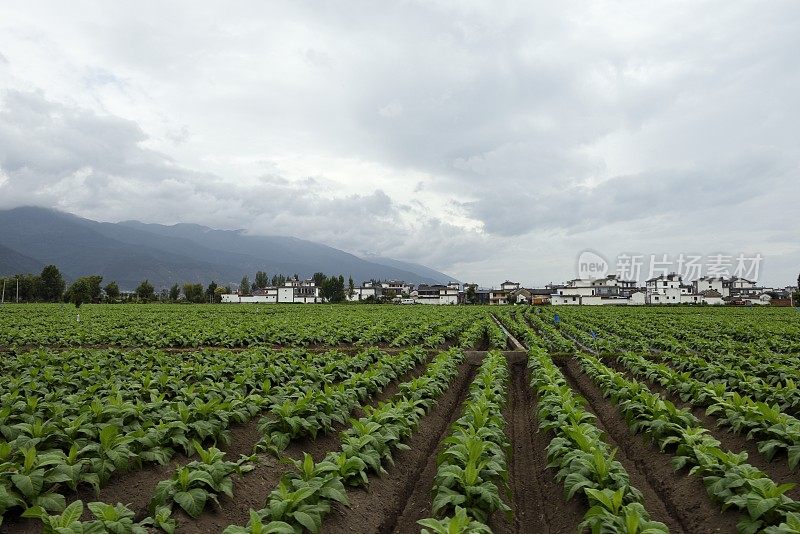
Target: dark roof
671,276
541,291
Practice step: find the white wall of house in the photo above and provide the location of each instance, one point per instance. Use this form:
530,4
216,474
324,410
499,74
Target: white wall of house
362,293
558,299
715,283
591,300
576,290
449,296
636,299
286,294
742,283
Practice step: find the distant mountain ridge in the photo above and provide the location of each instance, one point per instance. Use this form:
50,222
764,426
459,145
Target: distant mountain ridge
131,251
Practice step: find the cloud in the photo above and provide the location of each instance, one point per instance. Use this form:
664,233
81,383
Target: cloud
391,110
483,138
97,166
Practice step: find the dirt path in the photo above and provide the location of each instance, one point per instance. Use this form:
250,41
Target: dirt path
258,484
676,499
136,488
538,499
777,469
395,501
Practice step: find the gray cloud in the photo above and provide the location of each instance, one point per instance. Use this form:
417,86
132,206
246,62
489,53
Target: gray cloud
452,133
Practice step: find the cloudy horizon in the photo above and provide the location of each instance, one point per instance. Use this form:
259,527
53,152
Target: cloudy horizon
487,140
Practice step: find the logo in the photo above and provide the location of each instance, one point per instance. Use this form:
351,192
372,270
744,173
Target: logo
591,265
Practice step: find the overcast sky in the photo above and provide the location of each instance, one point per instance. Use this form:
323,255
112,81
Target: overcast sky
490,140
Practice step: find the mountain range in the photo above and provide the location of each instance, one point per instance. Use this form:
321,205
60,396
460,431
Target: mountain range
131,251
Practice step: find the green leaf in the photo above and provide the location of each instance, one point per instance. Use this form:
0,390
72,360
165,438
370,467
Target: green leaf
71,514
192,501
29,485
310,522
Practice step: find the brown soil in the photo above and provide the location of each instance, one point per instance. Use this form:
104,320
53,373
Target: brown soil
777,469
396,500
678,500
236,511
538,502
136,488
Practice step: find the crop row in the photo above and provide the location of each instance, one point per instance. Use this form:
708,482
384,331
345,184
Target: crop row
305,495
776,431
735,382
727,477
777,370
584,462
54,442
766,332
472,468
311,411
162,325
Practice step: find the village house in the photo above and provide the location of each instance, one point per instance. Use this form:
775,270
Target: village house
436,294
670,289
610,290
293,291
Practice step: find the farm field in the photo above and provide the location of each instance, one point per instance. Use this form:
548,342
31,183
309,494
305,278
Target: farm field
381,418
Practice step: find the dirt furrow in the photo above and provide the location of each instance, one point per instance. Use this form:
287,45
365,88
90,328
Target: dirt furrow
538,499
252,489
777,469
396,500
136,488
674,498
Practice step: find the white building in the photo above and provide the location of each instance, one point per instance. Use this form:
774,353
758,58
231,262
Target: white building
664,289
670,289
712,283
509,286
363,292
293,291
436,294
395,288
637,298
600,292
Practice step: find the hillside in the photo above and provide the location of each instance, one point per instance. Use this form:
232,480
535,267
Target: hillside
131,251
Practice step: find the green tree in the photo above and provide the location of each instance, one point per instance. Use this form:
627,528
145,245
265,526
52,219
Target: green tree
262,280
94,282
211,291
80,291
351,288
471,295
194,293
174,293
51,284
145,291
333,289
112,290
319,279
218,294
244,286
28,284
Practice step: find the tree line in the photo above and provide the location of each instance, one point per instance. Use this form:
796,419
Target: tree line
332,288
50,286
